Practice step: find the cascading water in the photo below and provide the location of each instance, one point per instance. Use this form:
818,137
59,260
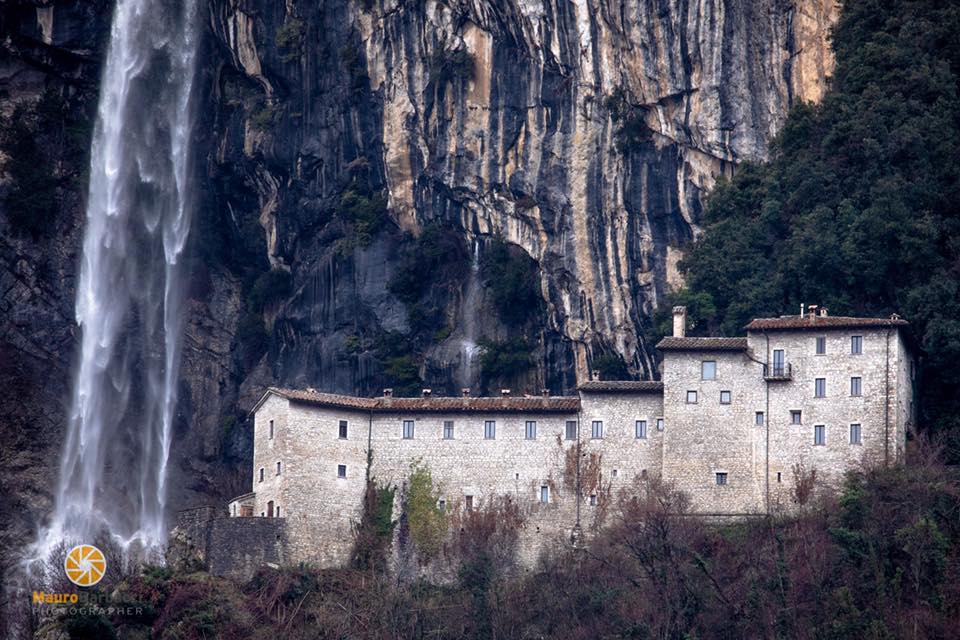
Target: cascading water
471,307
130,290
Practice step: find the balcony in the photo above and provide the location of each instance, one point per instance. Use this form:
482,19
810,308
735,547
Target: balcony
777,372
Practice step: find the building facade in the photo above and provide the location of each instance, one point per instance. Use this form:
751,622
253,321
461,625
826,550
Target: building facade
737,424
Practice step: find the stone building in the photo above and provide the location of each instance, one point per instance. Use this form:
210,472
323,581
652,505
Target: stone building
738,424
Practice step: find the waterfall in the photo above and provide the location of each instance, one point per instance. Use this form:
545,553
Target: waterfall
471,303
130,290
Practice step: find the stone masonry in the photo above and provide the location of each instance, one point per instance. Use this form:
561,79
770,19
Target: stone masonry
736,424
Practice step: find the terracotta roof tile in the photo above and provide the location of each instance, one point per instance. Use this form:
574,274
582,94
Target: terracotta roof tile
622,386
325,399
823,322
702,344
434,404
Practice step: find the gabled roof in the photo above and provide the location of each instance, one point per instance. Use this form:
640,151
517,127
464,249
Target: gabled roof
440,404
622,386
702,344
807,322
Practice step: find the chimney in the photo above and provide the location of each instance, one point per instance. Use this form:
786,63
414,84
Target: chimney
388,393
803,309
505,393
595,375
812,311
311,390
465,392
679,322
545,393
426,393
823,312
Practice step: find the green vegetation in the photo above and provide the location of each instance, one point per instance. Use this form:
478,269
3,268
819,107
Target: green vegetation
289,39
859,207
396,354
268,288
365,209
426,522
610,366
375,530
513,279
437,258
630,121
265,116
447,65
504,360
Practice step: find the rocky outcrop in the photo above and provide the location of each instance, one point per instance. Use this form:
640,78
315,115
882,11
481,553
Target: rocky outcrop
333,134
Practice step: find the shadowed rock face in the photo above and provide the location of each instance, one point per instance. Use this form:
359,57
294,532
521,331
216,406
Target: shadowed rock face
584,133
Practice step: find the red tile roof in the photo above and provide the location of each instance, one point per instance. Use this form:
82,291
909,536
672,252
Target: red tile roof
823,322
543,404
702,344
622,386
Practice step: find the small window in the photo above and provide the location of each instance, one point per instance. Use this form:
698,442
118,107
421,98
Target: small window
641,428
490,430
442,505
614,473
856,345
343,430
708,370
593,499
571,429
819,435
596,429
531,430
271,429
408,429
341,471
779,477
263,514
758,418
721,477
659,424
796,416
820,388
856,386
278,511
448,429
544,494
725,397
691,397
278,468
821,345
261,474
855,434
469,501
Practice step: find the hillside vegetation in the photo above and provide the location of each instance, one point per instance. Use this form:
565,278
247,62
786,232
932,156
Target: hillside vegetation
859,208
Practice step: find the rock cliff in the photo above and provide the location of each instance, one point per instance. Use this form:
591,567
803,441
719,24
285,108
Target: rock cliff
378,179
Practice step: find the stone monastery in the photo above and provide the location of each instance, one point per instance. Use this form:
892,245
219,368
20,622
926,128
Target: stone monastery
733,424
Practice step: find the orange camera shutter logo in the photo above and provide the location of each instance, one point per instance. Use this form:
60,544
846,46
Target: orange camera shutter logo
85,565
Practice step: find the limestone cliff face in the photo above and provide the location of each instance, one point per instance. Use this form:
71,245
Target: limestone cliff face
585,132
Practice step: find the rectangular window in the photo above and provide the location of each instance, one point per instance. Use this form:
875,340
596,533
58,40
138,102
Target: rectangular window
469,500
725,397
531,430
278,511
820,388
544,494
856,345
343,430
271,429
779,477
855,434
856,386
641,428
708,370
758,418
571,429
596,429
796,417
819,434
278,468
490,430
691,397
442,505
779,364
659,424
448,429
408,429
261,474
821,345
341,471
593,499
721,478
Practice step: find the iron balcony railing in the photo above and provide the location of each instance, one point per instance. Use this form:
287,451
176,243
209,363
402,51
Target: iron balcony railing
778,371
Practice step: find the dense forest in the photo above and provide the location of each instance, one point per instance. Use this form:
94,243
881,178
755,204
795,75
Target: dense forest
859,207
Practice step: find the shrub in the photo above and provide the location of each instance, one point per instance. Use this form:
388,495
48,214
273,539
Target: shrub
610,366
501,360
512,277
289,39
268,288
375,530
367,211
426,522
439,257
